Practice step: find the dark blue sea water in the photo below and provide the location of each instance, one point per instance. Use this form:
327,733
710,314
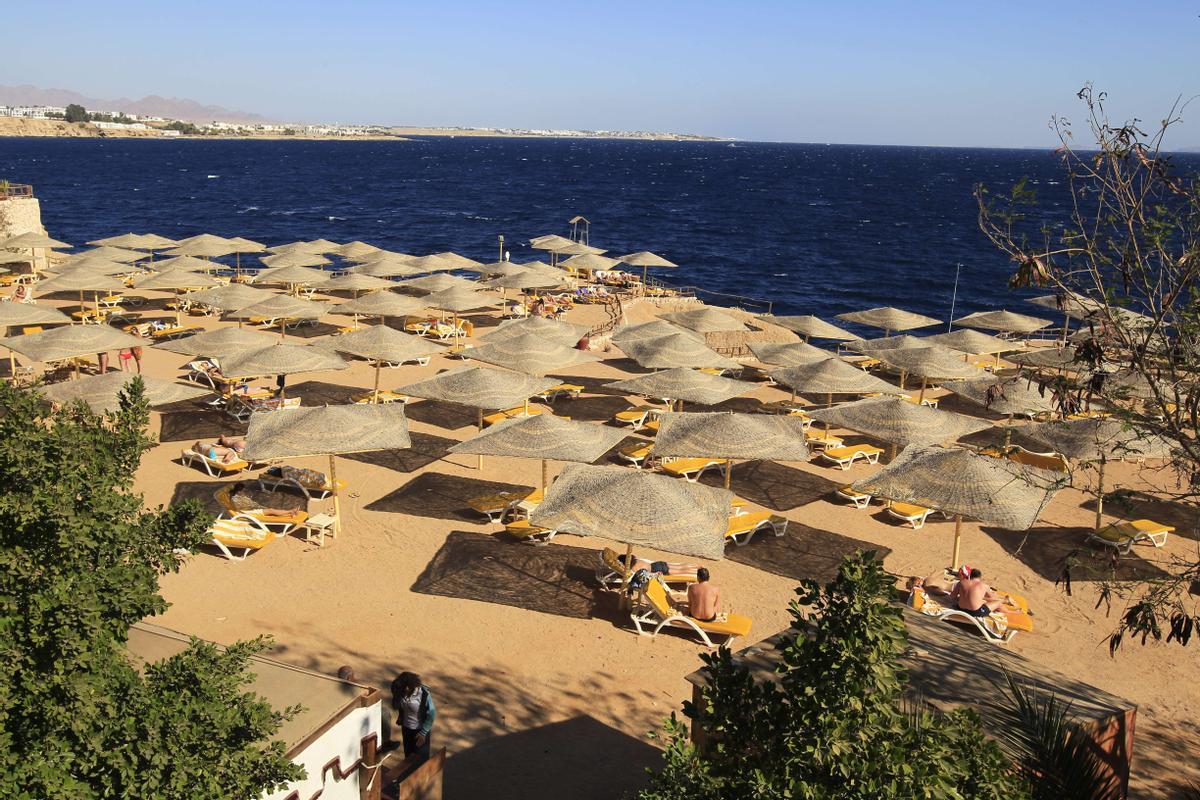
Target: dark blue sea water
819,229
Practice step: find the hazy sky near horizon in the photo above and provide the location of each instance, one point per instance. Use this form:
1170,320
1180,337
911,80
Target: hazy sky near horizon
938,73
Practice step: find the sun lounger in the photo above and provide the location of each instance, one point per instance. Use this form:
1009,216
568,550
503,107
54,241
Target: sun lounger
634,417
859,499
1122,536
742,527
496,506
914,515
844,457
240,532
382,396
283,525
508,413
563,389
213,466
612,575
819,439
241,408
1055,462
270,481
690,469
659,612
174,332
529,533
999,627
636,453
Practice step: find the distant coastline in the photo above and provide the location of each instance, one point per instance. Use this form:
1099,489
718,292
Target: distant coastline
55,128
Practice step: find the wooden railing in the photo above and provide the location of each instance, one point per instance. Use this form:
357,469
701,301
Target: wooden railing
13,190
614,310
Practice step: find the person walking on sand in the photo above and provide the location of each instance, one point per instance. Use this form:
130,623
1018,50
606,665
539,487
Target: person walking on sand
415,714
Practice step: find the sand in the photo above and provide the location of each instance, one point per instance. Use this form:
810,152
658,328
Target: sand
543,689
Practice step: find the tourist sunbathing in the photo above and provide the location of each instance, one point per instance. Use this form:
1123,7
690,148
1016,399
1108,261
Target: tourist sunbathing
703,599
216,452
656,567
973,595
305,477
244,502
233,443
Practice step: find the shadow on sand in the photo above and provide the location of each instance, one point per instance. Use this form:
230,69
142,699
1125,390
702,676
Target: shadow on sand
441,496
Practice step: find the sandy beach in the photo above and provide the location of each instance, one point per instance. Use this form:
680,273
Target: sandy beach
543,688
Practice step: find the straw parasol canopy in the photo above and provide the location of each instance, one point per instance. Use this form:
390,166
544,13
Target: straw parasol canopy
29,314
457,298
1098,439
322,246
589,261
758,437
70,341
281,358
1002,395
328,431
545,437
379,343
283,306
219,343
1046,358
119,254
704,320
176,279
386,268
479,388
552,329
190,263
788,354
899,421
7,257
380,304
639,508
550,241
675,350
578,249
960,483
136,241
829,377
33,241
528,280
438,283
458,262
810,327
81,280
889,319
354,282
291,247
529,353
928,363
205,245
292,274
244,245
644,258
294,258
231,297
356,250
499,268
887,343
101,266
650,330
431,263
103,392
1003,321
1071,304
968,341
684,384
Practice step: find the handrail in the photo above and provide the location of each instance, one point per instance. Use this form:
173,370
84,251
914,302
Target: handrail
697,290
10,190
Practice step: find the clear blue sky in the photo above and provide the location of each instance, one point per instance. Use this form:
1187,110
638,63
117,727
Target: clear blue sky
955,73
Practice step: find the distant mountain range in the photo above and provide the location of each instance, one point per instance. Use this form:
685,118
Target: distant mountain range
153,105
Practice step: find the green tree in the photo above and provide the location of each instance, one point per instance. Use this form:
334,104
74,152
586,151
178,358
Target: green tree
76,113
1122,255
834,724
182,127
80,559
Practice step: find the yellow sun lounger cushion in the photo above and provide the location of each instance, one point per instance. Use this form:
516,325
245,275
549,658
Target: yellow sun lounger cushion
509,413
844,457
859,499
821,439
240,533
742,527
907,512
529,533
660,613
689,469
1124,535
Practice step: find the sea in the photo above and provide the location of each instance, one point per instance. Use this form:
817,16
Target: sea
807,229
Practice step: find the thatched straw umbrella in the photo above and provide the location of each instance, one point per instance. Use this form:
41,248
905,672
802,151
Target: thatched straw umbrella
637,507
291,275
903,340
756,437
829,377
645,260
103,392
928,363
675,350
1002,321
530,353
788,354
178,280
1009,396
431,263
294,259
70,341
964,484
356,250
379,304
386,268
219,343
810,327
650,330
190,263
1046,358
206,245
13,314
900,422
81,280
283,307
555,330
327,431
379,343
456,300
704,320
973,342
431,284
231,297
1096,440
545,437
281,359
684,384
889,319
119,254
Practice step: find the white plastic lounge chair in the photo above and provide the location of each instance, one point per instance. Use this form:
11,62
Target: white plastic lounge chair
690,469
859,499
283,525
821,440
914,515
215,467
269,481
497,506
999,627
658,611
742,527
529,533
612,575
240,532
1122,536
636,453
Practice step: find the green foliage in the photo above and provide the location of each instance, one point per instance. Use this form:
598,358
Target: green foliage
76,113
182,127
833,724
80,560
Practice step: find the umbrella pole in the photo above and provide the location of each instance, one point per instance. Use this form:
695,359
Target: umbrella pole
178,321
337,506
728,471
545,475
793,396
921,396
1008,431
480,410
282,328
957,541
1100,494
375,394
626,566
903,375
